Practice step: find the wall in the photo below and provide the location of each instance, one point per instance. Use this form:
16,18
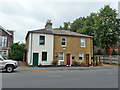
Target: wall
36,48
73,47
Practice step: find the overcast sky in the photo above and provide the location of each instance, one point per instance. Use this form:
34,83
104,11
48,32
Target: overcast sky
25,15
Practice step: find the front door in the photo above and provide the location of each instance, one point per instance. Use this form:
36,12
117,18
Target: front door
68,59
87,59
35,59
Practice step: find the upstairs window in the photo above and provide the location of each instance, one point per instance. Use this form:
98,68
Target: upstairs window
82,42
63,42
42,40
4,41
81,56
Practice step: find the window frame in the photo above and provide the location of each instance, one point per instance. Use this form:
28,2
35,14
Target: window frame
40,39
63,41
82,56
42,56
4,41
61,56
82,42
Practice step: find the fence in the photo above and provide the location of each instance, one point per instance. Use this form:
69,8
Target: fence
107,59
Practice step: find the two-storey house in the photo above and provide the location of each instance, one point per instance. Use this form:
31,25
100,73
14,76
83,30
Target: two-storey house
6,38
47,45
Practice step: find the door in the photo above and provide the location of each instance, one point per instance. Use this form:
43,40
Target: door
68,59
87,59
35,59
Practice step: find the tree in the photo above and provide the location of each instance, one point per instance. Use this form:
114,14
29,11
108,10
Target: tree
77,25
88,26
17,51
107,24
102,25
65,27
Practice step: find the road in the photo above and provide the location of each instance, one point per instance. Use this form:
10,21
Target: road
105,78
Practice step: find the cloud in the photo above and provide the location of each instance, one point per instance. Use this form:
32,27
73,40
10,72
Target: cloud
25,15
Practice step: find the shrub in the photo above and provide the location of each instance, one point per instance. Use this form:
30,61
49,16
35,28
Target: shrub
99,52
75,63
114,52
54,63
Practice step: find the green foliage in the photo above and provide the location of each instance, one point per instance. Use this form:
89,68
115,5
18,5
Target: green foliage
114,52
55,63
17,51
77,25
99,52
102,25
65,27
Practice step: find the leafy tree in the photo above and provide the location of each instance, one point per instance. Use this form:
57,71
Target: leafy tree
102,25
65,27
17,51
107,32
78,25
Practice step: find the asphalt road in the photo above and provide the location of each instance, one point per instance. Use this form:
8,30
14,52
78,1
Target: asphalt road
107,78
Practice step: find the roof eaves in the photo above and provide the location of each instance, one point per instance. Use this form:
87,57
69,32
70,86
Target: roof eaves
5,31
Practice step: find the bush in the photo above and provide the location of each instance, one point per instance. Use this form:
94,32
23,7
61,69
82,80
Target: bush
54,63
114,52
17,51
99,52
75,63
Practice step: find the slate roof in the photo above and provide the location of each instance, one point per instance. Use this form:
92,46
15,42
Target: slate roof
59,32
5,30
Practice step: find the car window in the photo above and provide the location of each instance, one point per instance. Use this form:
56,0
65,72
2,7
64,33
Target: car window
1,59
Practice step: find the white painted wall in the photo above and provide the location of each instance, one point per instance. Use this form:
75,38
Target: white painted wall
36,48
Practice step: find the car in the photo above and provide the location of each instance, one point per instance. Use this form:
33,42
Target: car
8,65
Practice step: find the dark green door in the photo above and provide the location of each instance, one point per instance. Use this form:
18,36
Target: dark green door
35,59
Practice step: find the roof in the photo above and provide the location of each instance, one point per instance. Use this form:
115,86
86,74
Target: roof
59,32
5,30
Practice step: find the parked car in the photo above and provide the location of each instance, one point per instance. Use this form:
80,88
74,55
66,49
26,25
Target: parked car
8,65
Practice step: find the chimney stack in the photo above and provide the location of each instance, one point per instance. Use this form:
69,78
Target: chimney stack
48,25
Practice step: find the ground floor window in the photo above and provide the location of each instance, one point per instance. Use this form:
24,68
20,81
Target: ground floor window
61,56
81,56
4,53
44,56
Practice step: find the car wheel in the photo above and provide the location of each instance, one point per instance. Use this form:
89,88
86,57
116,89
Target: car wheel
9,68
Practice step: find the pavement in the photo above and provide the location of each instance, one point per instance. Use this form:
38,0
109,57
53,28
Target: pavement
63,68
57,78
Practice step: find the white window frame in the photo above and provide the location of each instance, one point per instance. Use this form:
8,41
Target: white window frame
63,41
61,56
4,41
82,41
82,55
40,40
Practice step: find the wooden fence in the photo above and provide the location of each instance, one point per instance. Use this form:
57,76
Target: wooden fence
107,59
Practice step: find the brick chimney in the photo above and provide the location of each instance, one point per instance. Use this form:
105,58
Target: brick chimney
48,25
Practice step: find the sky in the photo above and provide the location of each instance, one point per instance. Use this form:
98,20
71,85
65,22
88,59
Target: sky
22,16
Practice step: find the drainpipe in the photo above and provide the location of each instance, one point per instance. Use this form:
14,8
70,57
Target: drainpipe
31,49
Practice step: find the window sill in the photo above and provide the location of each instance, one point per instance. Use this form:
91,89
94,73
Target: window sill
83,46
44,60
63,45
61,60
